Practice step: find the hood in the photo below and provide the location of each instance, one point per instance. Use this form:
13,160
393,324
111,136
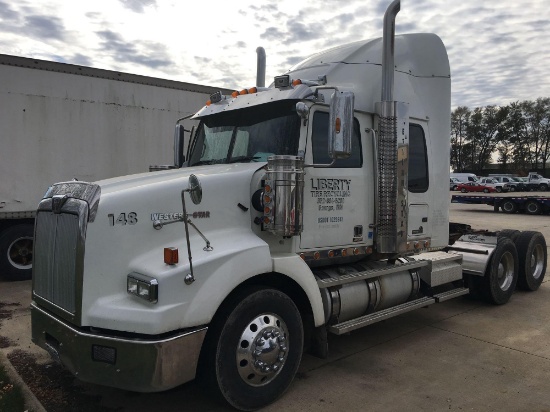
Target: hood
178,176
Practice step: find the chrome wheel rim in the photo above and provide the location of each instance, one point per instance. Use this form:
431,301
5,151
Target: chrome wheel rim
505,271
537,261
20,253
262,349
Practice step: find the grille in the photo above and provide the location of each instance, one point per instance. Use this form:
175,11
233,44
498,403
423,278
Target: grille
55,257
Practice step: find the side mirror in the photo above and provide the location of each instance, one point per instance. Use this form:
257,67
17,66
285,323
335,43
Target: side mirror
340,125
179,138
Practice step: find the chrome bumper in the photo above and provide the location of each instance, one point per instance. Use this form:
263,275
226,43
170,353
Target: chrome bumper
141,365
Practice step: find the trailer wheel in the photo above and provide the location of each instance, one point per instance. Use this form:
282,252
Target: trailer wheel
254,353
511,234
532,207
16,243
509,206
502,273
532,255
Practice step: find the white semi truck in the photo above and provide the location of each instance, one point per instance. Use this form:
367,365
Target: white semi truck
60,122
318,205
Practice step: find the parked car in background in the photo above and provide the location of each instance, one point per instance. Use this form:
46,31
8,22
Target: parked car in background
454,183
516,184
475,187
465,177
490,181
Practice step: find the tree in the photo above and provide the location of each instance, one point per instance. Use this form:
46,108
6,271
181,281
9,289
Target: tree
459,121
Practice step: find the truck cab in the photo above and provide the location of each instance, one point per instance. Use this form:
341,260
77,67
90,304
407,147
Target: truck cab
537,181
317,205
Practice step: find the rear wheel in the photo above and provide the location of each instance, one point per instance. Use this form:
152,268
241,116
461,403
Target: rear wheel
532,207
543,187
255,352
509,206
499,189
532,256
16,247
511,234
501,275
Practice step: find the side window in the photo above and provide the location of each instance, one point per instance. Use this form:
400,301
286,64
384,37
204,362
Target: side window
319,142
418,160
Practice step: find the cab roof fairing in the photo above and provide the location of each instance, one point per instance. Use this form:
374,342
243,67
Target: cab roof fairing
229,103
419,57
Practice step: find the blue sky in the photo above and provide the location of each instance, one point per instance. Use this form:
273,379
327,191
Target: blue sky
498,49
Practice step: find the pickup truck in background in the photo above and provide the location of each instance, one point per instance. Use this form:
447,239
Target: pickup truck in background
537,182
492,182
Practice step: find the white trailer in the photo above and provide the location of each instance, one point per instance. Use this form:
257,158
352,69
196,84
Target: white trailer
318,205
61,122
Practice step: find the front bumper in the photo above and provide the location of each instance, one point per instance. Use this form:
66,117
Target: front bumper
141,365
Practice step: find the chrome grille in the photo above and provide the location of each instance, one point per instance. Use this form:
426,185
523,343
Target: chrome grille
55,258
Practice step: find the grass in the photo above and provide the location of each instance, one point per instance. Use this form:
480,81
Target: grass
11,397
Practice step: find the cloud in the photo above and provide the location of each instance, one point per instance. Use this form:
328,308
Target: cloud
138,6
44,27
149,54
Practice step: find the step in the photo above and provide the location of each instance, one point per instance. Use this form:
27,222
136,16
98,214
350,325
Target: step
369,319
442,297
369,274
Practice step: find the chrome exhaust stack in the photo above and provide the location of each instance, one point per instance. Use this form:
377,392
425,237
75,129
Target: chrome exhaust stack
392,151
260,67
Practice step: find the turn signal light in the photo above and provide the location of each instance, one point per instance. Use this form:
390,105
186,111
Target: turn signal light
171,255
338,125
208,103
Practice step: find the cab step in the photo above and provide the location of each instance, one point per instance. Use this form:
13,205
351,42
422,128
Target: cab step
442,297
353,324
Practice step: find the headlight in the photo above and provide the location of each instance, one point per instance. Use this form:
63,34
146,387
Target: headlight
142,286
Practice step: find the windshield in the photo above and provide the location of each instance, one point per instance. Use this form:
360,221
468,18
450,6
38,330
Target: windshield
248,135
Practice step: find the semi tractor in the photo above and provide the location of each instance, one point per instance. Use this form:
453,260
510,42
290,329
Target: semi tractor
61,122
314,206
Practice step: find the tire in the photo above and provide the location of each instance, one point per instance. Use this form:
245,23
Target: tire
463,190
511,234
532,207
532,256
455,188
499,189
543,187
501,275
508,206
262,331
512,188
16,248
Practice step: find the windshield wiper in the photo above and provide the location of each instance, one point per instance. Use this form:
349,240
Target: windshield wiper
243,159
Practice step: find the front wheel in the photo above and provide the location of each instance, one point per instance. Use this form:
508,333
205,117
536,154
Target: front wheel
543,187
499,189
256,351
485,190
463,190
501,275
532,255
